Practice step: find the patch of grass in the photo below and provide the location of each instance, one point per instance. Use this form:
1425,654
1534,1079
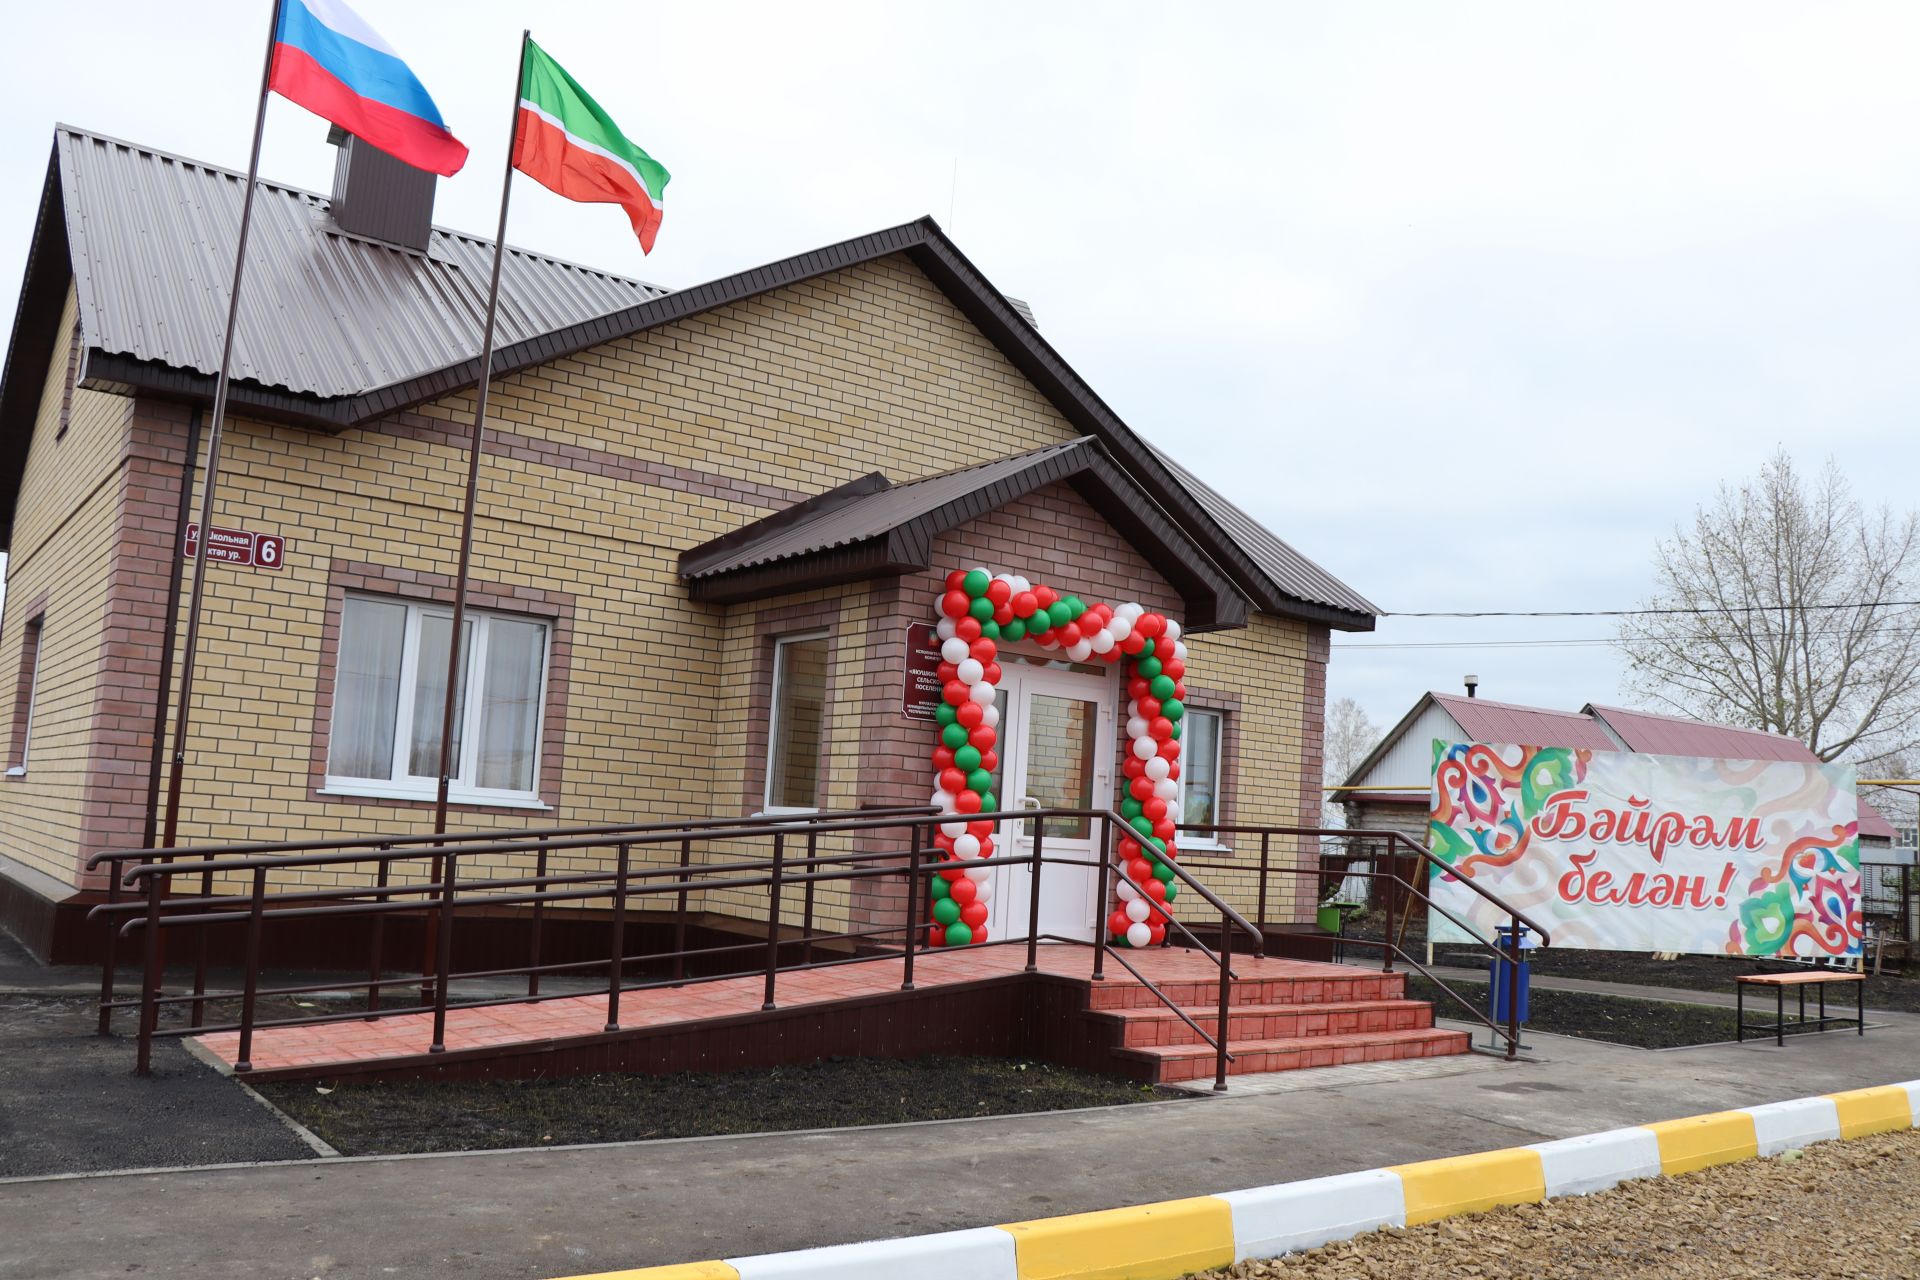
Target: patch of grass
391,1119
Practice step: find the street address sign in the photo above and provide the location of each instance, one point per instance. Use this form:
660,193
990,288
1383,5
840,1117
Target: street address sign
247,548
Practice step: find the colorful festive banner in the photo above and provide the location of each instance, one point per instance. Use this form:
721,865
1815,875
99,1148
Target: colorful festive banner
1621,851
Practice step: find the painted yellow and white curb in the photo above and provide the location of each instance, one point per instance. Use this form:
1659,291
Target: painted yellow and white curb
1170,1239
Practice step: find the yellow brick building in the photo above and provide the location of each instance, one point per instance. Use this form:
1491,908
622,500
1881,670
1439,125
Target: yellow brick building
712,520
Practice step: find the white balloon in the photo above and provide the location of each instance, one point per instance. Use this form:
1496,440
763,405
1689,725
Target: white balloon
943,798
1101,641
970,671
1079,651
1172,633
955,650
1121,627
946,630
985,892
1133,711
1136,727
967,846
1020,583
1139,935
1126,890
1167,789
1157,768
1180,650
982,693
990,717
979,875
1137,910
954,829
1145,748
982,571
966,857
1130,610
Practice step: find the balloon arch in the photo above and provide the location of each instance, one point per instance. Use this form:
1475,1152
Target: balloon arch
979,609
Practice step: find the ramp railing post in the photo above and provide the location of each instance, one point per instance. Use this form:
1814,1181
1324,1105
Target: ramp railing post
443,954
149,978
914,835
773,915
1104,858
108,956
256,908
617,944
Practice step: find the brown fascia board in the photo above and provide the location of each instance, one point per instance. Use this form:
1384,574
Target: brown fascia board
36,319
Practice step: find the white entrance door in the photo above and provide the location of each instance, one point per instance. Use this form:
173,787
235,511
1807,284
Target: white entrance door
1057,730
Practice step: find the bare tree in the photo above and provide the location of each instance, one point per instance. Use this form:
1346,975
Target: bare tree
1792,614
1349,736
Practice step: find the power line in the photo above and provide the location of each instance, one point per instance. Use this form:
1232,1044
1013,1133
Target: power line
1482,644
1645,613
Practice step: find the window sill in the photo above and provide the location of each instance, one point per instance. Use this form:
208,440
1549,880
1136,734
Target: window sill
18,771
1203,846
777,814
462,799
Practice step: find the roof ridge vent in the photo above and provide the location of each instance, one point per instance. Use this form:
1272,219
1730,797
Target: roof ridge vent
378,197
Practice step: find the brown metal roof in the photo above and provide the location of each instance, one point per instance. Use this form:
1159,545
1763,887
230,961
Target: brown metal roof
343,330
870,528
1485,720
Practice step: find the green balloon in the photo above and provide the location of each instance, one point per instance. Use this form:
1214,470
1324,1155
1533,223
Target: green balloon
945,714
1161,871
975,583
946,911
1142,824
1173,891
1015,630
1076,604
989,802
954,735
1176,730
1147,668
1162,686
941,889
978,779
990,629
982,608
1173,709
1059,613
1158,845
1129,808
1146,650
966,759
959,934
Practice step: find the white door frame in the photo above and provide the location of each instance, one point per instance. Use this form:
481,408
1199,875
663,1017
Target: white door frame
1011,883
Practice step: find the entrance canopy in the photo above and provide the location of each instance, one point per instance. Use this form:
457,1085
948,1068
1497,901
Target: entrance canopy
871,527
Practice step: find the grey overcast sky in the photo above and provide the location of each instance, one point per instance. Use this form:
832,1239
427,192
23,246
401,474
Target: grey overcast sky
1470,302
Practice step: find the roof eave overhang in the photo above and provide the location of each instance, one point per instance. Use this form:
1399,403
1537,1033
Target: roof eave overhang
36,319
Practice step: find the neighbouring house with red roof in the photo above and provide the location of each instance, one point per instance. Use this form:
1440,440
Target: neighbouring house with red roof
1403,760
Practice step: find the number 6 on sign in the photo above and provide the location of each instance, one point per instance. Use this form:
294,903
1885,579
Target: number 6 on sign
268,549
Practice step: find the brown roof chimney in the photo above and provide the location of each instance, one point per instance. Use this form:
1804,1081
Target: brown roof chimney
377,196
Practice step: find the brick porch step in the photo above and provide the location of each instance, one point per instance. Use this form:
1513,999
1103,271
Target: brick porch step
1253,1022
1120,991
1195,1061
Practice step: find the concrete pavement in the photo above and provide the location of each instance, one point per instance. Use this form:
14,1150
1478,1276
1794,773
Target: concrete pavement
562,1212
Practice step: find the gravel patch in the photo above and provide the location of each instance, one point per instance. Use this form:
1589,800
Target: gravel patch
1837,1209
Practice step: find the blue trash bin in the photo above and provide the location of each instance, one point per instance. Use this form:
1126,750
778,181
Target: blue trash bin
1497,976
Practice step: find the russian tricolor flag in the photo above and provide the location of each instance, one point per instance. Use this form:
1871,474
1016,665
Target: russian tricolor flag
327,59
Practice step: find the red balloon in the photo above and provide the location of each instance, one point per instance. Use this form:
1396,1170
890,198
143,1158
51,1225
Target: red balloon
951,874
954,692
1133,644
1133,766
1129,849
1110,656
990,760
953,780
936,936
1139,871
980,828
969,713
964,891
957,580
1162,828
1117,923
1173,668
945,842
979,934
1024,603
1158,932
1155,809
1169,750
942,757
1000,591
1002,614
1141,788
1138,688
974,913
968,628
947,671
993,672
1155,889
1149,707
1149,625
1069,632
1160,729
1045,596
1173,769
1179,689
979,736
967,802
955,604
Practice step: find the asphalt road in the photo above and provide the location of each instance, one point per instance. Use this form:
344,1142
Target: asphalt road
530,1214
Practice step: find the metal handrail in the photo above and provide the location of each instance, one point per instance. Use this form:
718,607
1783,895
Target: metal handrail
441,895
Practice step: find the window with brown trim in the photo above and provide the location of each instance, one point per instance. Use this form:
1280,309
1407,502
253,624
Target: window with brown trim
23,691
73,380
798,724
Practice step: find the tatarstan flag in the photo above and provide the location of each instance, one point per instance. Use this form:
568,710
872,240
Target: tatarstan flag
567,143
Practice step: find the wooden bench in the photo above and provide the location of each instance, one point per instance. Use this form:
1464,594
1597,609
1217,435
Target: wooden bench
1800,981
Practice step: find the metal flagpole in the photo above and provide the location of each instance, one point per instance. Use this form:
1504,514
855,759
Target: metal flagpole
475,444
190,650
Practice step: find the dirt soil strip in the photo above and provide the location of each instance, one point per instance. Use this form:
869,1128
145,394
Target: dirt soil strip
1836,1209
